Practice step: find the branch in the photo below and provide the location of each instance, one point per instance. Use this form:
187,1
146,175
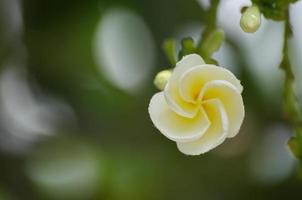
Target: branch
291,102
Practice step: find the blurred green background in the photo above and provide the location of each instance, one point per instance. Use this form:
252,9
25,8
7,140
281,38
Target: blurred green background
75,84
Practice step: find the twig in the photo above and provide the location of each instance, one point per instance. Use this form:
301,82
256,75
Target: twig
291,102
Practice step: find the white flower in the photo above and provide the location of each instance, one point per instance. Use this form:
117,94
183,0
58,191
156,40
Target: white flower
200,106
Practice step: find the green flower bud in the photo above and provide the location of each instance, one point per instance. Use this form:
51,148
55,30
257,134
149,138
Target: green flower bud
162,78
251,19
212,42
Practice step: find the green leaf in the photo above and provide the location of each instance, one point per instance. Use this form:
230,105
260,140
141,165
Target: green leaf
274,9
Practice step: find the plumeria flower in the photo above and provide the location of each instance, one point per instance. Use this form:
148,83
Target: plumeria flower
200,106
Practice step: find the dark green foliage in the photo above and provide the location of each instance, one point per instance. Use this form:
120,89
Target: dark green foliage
274,9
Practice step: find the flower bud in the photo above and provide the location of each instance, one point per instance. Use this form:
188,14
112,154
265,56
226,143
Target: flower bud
213,42
162,78
251,19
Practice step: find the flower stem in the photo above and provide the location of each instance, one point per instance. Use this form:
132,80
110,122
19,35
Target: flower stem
211,16
212,37
291,102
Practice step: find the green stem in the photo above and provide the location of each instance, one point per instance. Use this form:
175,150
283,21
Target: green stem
211,40
211,37
211,18
291,102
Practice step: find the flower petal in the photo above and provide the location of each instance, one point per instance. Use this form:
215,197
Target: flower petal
193,80
177,104
214,136
174,126
231,99
172,95
186,63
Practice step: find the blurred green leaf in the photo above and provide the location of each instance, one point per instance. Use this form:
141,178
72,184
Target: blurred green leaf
274,9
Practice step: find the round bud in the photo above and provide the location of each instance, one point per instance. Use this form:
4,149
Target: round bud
251,19
162,78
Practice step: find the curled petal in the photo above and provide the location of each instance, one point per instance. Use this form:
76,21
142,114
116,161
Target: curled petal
231,100
192,82
171,91
214,136
178,105
174,126
186,63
